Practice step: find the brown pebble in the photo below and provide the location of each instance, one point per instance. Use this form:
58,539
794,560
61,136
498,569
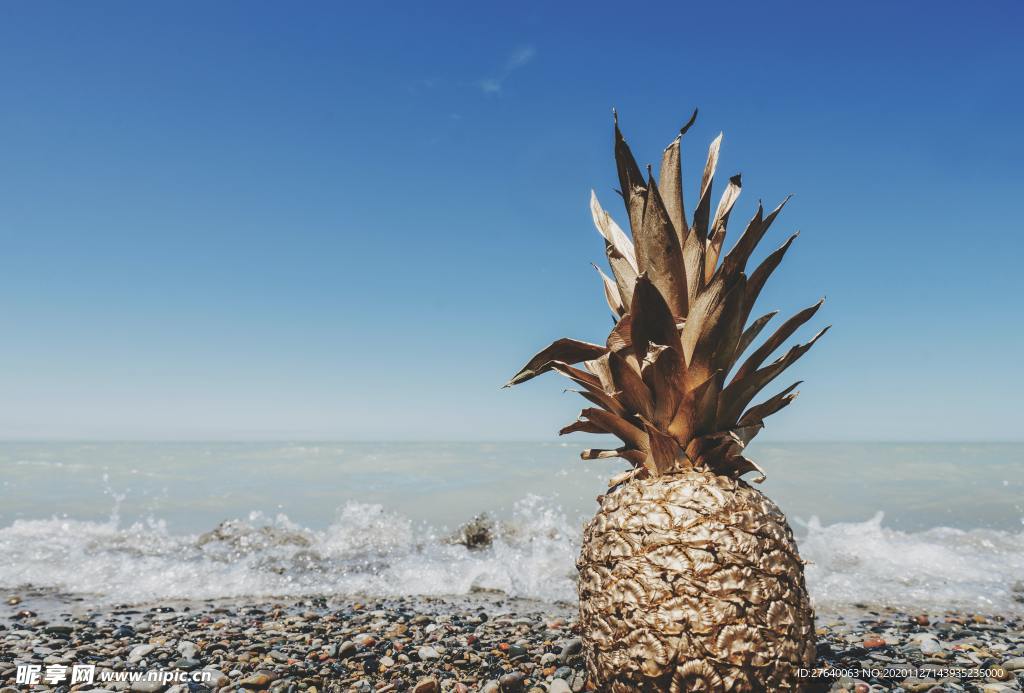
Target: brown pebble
873,642
256,681
427,685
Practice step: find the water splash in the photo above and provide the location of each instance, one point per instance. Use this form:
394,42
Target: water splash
941,567
366,550
371,549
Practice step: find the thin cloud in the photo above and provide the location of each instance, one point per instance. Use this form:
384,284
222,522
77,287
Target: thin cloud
490,86
518,58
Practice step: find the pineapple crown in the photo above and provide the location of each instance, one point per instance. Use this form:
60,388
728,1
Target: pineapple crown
661,381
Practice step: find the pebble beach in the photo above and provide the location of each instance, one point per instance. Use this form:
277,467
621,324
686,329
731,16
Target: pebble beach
483,642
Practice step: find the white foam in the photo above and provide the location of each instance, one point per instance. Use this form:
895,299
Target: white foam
369,549
938,568
366,550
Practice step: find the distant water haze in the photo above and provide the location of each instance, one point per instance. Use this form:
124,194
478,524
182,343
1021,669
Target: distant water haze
901,524
194,486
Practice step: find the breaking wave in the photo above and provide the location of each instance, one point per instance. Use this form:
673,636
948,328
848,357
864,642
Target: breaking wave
369,549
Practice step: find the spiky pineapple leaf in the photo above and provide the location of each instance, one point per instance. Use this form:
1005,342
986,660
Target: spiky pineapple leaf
611,294
759,412
603,400
618,249
694,250
602,370
759,276
719,225
737,257
670,182
663,376
702,213
690,419
631,181
581,426
784,332
617,426
653,322
611,231
621,336
663,449
658,253
751,333
738,394
631,389
588,380
565,350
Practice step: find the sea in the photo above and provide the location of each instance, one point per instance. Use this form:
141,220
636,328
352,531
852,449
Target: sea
906,525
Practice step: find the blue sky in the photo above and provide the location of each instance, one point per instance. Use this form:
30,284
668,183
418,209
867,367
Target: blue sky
357,220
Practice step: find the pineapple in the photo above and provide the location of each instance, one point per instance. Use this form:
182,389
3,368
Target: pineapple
690,578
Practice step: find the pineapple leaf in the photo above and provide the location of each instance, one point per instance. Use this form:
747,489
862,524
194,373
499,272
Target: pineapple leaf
718,226
738,394
581,426
658,253
653,322
617,426
565,350
760,275
632,390
750,334
671,184
635,457
663,377
703,211
611,294
621,336
780,335
759,412
664,451
631,180
736,260
618,249
603,400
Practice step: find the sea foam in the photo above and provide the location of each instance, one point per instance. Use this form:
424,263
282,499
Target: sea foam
370,549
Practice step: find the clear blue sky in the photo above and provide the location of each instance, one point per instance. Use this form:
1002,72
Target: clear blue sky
357,220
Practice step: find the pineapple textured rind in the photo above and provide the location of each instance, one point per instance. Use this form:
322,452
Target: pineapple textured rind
692,582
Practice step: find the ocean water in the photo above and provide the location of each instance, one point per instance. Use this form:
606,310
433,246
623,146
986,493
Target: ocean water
923,526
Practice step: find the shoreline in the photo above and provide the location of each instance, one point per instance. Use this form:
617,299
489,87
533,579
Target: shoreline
479,642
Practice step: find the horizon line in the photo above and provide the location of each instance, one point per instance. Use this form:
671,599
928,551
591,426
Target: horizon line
414,441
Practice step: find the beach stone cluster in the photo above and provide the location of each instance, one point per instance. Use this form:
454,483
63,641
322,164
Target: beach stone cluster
421,645
947,651
479,643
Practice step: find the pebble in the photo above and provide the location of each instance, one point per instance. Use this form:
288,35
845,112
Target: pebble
916,685
138,652
427,685
216,678
426,652
570,648
486,644
511,682
147,687
256,681
559,686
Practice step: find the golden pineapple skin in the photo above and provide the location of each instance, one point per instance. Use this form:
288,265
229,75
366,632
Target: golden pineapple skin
692,582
